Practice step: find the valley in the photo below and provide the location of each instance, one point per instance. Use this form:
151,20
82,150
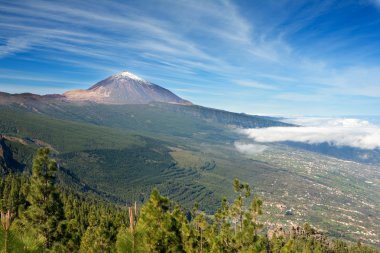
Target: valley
122,152
330,192
215,126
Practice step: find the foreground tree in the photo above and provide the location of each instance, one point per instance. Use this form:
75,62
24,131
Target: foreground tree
99,237
159,227
45,210
95,225
11,199
6,222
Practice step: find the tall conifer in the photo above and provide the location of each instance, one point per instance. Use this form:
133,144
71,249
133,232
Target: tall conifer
45,210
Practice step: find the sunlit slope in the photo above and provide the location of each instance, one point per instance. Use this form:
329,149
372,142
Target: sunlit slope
126,151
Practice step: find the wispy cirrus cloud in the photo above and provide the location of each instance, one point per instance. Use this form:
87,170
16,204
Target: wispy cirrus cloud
256,85
115,32
219,45
14,45
375,2
299,97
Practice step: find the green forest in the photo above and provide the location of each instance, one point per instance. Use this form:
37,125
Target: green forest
39,214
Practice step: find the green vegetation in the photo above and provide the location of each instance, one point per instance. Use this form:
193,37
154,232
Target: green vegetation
46,217
45,210
62,135
121,153
111,155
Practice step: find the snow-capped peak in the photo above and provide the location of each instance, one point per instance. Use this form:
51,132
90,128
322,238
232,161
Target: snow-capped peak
125,88
129,75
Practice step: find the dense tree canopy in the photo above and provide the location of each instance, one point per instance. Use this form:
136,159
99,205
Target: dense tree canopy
50,218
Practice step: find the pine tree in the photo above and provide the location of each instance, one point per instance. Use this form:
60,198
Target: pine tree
159,228
9,202
99,238
6,222
200,224
237,208
45,210
256,210
133,216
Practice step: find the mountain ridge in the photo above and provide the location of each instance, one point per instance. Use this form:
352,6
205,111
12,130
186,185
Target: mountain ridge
126,88
188,152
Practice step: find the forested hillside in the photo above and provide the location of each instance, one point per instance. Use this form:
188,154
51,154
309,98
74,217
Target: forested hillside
126,150
119,153
39,214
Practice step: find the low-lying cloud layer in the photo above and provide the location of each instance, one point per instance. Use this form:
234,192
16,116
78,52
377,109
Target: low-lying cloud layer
250,148
338,132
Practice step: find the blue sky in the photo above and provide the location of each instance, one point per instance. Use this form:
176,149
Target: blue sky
259,57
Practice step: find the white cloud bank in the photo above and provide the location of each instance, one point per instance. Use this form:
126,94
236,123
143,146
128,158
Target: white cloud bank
339,132
249,148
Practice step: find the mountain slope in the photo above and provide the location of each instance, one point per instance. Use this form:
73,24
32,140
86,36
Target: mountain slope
125,88
125,94
127,150
188,152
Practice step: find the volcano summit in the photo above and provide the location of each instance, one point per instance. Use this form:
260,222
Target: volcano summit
125,88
